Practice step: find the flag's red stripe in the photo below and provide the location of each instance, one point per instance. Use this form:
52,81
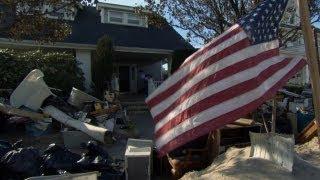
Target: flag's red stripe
213,45
224,73
215,58
219,122
222,96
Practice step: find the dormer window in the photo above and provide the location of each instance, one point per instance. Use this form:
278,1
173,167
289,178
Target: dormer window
134,19
116,17
125,18
122,15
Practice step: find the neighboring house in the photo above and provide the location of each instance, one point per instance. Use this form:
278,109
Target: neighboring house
139,47
297,48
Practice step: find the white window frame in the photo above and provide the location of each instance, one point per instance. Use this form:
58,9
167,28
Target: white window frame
109,16
125,17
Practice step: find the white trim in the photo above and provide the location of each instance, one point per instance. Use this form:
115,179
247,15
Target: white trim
29,43
101,5
143,50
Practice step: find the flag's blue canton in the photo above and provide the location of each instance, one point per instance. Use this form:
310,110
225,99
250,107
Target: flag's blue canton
262,24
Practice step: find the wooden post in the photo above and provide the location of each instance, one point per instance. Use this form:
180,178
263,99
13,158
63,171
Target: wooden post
311,58
274,114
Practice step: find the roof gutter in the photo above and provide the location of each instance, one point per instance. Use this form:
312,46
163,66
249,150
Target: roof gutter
7,43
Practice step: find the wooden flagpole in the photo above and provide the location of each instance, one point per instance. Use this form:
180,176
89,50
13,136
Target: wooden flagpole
274,114
311,54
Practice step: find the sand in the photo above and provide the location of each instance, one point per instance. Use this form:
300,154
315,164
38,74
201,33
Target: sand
310,152
236,164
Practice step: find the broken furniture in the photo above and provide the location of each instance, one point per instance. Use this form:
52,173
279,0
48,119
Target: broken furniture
78,98
195,155
138,159
307,133
9,110
237,133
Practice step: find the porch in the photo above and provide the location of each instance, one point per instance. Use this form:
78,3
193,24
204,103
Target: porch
132,69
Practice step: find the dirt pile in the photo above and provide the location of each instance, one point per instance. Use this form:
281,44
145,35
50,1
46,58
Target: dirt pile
310,152
236,164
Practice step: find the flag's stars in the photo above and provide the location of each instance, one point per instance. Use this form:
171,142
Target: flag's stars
261,25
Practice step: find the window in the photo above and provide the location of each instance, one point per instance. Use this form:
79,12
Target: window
126,18
116,17
133,19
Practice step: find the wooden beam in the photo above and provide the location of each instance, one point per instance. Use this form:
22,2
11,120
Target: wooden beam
274,115
311,54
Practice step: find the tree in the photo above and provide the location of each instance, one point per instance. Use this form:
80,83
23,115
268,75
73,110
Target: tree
103,67
205,19
23,19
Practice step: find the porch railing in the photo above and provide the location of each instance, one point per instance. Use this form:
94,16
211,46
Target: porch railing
152,85
157,83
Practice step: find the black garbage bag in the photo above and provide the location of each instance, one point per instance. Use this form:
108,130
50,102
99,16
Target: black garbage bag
20,163
4,148
56,158
95,158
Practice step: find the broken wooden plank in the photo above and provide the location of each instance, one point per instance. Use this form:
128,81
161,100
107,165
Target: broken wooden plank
110,110
9,110
244,122
308,133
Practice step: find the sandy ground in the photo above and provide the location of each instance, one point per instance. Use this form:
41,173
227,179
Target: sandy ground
310,152
236,164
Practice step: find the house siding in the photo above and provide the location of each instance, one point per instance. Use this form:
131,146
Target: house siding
84,58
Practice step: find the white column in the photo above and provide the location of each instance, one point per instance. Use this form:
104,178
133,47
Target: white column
84,57
169,65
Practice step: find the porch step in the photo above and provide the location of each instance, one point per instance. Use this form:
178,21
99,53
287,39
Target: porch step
137,112
135,107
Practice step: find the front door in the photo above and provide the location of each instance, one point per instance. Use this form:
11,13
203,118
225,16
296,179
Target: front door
124,78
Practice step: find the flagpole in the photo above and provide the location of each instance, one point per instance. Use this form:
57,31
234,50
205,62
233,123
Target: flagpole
311,54
274,114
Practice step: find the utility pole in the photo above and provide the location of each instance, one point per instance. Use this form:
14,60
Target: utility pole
312,60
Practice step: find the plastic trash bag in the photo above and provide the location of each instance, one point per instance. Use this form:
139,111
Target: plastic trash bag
22,163
57,158
95,157
4,148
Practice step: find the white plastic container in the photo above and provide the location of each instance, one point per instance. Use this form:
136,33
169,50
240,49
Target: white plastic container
31,92
138,159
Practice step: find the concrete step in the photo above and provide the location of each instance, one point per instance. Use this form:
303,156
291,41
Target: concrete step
138,112
133,103
137,108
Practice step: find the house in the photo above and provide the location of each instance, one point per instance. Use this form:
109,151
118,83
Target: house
297,48
139,47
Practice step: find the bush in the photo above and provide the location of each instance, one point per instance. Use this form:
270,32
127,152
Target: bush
103,65
60,69
179,56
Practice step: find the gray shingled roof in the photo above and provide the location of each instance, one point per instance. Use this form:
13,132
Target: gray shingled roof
87,29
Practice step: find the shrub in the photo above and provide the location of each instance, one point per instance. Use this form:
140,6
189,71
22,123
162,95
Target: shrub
60,69
103,65
179,56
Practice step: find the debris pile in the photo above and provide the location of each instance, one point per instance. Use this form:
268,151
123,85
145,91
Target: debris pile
21,162
33,102
34,106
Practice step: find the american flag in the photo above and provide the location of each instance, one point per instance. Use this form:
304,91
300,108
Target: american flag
223,81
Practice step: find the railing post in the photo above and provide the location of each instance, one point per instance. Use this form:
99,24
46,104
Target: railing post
151,86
